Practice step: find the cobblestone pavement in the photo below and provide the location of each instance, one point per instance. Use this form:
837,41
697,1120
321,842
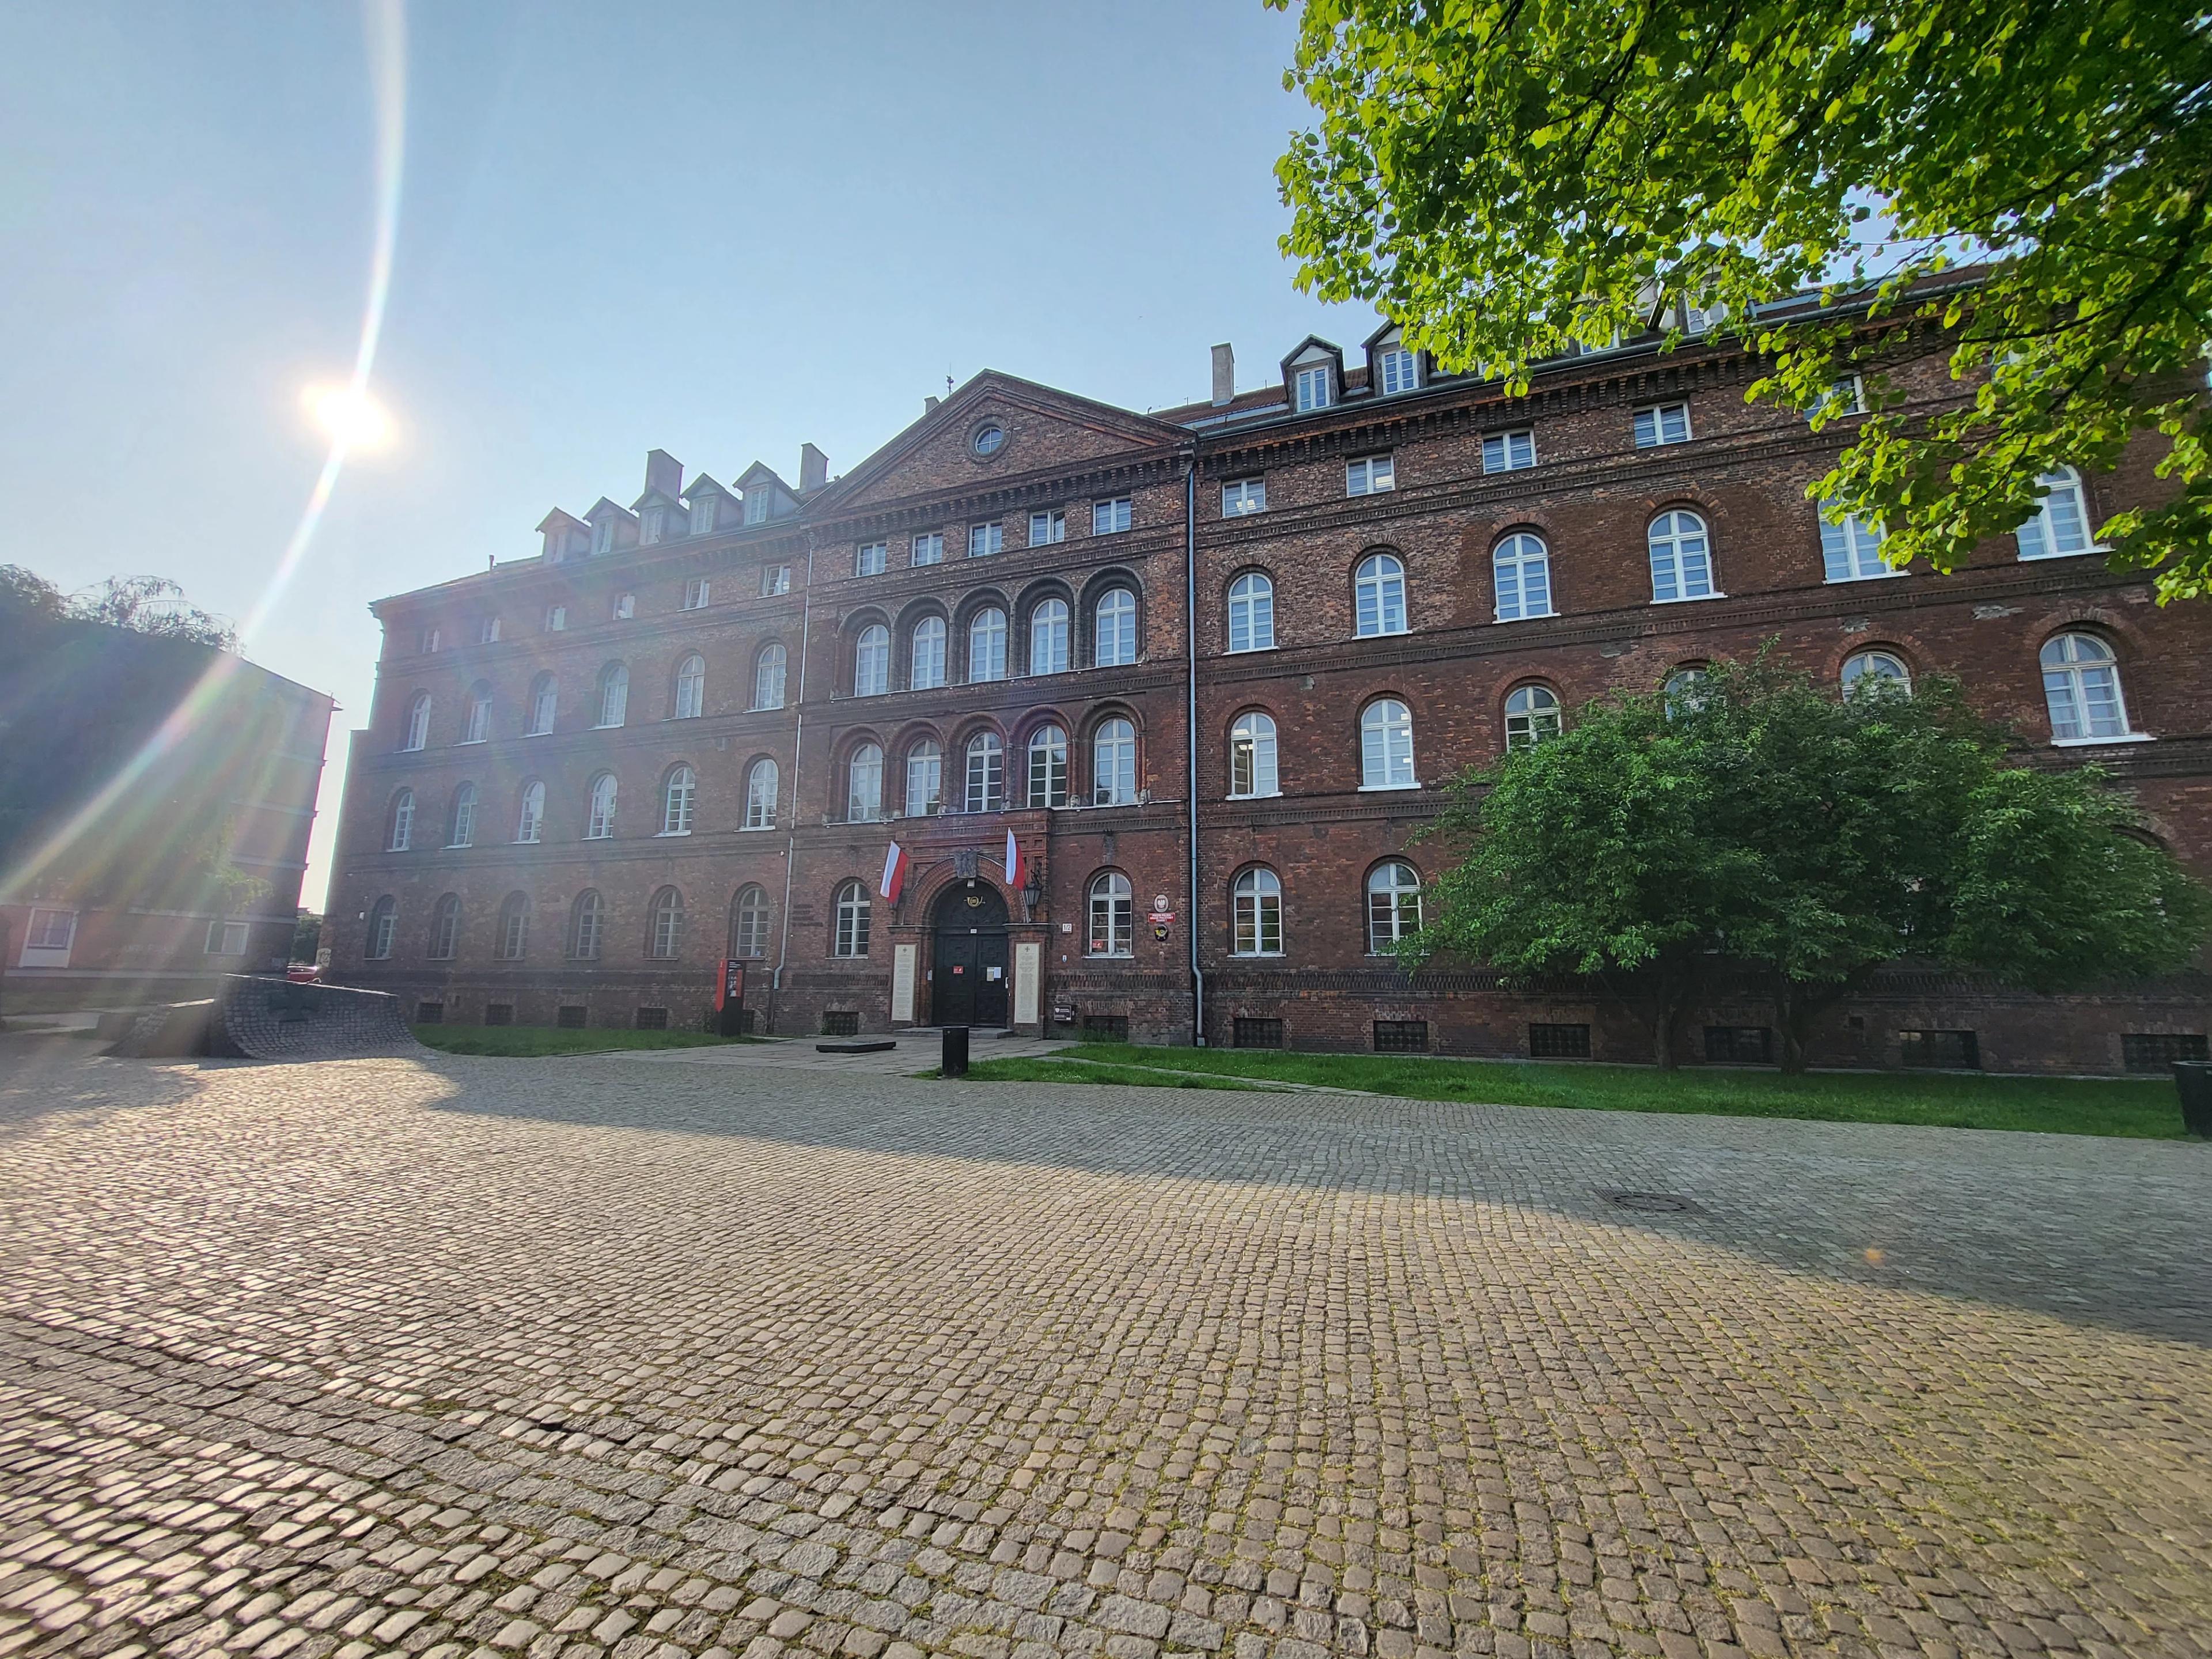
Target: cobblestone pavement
502,1357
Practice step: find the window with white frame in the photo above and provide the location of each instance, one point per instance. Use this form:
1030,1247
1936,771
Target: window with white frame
1252,756
427,643
695,593
544,704
587,922
767,676
511,940
1509,452
50,930
487,631
556,618
1310,387
871,661
226,937
1532,716
625,607
761,784
1875,668
985,539
1681,558
1048,767
599,816
775,578
665,938
1114,763
756,504
852,939
1394,906
1371,475
864,784
463,827
873,559
2060,525
1113,628
1113,916
445,928
1663,423
478,729
679,796
1109,518
1256,913
987,644
1844,396
1048,637
1379,595
749,923
2081,689
1252,612
418,722
603,535
928,653
1047,527
691,687
1851,551
703,514
614,695
1386,745
403,823
924,778
928,547
986,773
1397,370
1521,566
1242,495
530,820
383,929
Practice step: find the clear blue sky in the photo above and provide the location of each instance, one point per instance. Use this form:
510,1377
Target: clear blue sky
719,230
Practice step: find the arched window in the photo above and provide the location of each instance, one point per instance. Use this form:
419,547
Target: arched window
767,676
544,704
614,694
1252,755
987,644
1114,763
1379,593
1685,691
1256,907
529,822
1532,715
1113,916
928,653
1523,568
749,923
1386,745
760,795
678,792
1048,637
512,938
871,661
1876,667
1851,551
852,919
986,769
463,826
692,688
587,920
2082,685
599,819
924,778
1394,906
1252,613
383,926
1049,767
2061,524
1681,560
478,728
864,784
403,822
666,935
445,929
1113,628
418,722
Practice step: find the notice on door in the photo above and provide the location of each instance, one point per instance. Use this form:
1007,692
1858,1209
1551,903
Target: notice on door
904,959
1029,966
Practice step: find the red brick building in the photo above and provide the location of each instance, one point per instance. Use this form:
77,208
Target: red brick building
1273,623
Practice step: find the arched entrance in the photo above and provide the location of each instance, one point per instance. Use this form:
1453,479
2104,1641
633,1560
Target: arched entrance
968,955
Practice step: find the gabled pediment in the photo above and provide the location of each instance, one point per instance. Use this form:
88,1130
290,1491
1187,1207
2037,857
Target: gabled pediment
602,508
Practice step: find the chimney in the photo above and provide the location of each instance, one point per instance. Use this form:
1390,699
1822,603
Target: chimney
929,406
1224,374
813,469
664,473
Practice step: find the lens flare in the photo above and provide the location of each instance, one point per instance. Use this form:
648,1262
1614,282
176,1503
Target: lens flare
354,420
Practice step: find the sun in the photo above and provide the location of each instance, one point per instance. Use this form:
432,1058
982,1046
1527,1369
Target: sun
352,418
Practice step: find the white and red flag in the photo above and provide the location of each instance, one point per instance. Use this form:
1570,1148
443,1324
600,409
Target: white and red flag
1018,867
894,872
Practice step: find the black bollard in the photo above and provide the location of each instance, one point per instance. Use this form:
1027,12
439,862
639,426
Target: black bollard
2192,1080
955,1063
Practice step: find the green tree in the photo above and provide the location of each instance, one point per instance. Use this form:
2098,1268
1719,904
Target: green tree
1506,177
1760,823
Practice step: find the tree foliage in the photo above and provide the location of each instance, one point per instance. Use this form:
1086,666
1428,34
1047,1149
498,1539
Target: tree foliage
144,604
1766,824
1506,177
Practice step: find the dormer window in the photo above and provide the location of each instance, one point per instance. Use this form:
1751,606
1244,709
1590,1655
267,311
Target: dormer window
652,526
603,537
702,516
756,504
1397,370
1312,388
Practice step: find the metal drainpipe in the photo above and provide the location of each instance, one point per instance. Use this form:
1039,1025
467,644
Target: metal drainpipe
798,742
1190,731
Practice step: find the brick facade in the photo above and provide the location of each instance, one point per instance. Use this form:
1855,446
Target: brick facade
1591,496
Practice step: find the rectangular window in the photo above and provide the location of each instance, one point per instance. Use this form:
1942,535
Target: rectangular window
1845,397
1740,1045
1559,1043
50,930
841,1022
499,1014
702,516
487,631
1851,551
653,1020
570,1017
1105,1027
225,938
695,593
429,1013
775,578
756,504
428,643
1941,1051
928,548
556,619
1311,387
1247,1032
1399,369
985,539
626,607
1509,452
1046,528
1665,423
1401,1037
874,559
603,535
1109,518
2156,1051
655,519
1243,495
1371,475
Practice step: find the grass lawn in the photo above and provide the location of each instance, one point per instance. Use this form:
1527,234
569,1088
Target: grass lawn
525,1041
2147,1110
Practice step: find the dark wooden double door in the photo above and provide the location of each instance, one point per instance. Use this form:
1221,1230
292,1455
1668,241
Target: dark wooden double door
968,970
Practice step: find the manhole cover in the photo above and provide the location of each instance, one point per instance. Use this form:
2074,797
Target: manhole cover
1648,1203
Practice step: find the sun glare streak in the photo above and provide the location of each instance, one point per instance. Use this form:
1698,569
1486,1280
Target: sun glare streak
353,419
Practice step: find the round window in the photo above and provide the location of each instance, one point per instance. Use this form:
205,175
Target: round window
988,439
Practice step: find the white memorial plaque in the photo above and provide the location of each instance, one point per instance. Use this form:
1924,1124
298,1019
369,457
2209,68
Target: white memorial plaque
1029,969
904,959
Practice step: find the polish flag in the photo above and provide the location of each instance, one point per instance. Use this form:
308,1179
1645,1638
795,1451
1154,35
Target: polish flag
1018,867
894,872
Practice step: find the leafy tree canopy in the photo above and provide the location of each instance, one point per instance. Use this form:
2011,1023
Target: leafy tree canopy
144,604
1504,177
1760,820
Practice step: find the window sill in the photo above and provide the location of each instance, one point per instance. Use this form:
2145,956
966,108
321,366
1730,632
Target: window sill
754,828
2080,553
471,743
546,731
1385,634
2092,743
1109,956
1247,650
671,834
1387,788
604,725
1257,955
597,837
527,840
1263,794
457,845
1362,495
1870,576
1692,598
1532,616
